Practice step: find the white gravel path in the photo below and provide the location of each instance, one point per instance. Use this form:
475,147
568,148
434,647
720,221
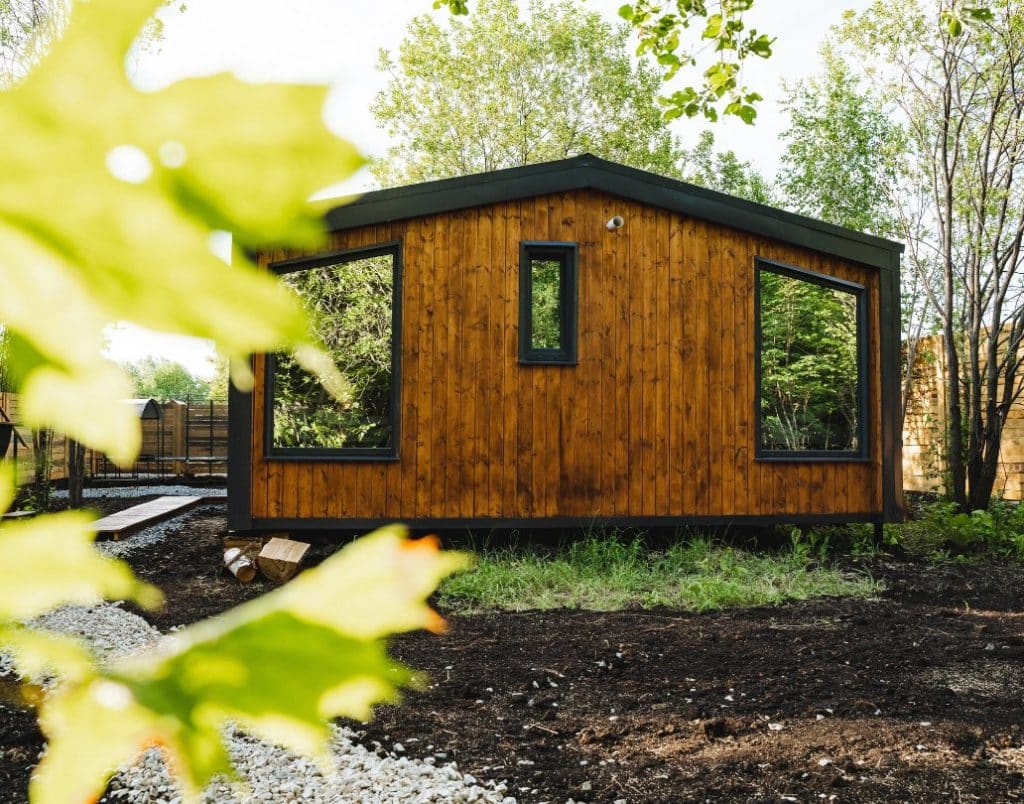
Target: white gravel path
270,773
106,628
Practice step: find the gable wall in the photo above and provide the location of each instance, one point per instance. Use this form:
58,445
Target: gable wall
656,420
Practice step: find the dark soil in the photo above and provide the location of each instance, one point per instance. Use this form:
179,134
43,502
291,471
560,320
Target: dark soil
918,696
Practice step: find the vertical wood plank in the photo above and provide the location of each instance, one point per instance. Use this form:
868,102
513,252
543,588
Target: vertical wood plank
512,393
676,466
432,333
660,381
716,313
572,490
525,445
478,240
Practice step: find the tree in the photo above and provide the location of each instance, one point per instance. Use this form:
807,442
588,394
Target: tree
664,36
680,38
165,379
958,91
500,90
846,162
27,28
724,33
843,151
221,379
725,172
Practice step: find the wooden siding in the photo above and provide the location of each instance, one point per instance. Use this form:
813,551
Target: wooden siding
655,420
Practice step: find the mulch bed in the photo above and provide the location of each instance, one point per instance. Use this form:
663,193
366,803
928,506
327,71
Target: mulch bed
916,697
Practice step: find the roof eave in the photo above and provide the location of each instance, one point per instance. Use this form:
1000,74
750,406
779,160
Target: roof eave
587,171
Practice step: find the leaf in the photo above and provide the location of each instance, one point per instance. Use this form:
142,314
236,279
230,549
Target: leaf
714,27
50,561
980,13
211,155
281,666
37,652
762,46
952,21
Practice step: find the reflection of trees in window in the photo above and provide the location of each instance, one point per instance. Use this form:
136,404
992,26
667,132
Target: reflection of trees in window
350,305
810,389
546,305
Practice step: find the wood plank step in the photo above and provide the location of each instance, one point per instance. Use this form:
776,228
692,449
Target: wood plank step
130,519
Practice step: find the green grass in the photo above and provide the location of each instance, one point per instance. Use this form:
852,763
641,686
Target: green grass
607,573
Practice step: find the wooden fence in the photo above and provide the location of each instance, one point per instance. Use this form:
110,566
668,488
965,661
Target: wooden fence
189,440
925,426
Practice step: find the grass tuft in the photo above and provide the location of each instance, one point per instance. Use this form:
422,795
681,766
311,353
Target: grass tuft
604,573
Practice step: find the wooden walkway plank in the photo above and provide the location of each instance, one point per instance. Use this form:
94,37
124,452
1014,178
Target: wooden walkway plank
130,519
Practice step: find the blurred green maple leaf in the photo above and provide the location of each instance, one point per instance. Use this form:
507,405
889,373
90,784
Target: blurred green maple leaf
82,247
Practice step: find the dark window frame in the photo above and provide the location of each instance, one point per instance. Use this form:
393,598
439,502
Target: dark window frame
356,454
567,254
863,453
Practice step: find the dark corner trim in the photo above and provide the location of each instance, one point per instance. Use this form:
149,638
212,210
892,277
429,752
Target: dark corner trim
567,255
891,393
390,454
862,455
240,435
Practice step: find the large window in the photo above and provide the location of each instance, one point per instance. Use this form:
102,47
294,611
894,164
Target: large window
547,303
352,299
811,365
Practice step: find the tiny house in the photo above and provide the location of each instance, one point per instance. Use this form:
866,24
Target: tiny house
578,343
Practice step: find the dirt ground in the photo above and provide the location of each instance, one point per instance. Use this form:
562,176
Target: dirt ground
917,696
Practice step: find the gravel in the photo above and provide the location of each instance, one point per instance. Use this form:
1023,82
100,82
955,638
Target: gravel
106,628
270,773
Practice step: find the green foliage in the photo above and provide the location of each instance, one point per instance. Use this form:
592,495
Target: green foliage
108,202
501,90
666,35
164,379
606,572
350,305
545,304
240,668
961,209
843,150
939,529
809,374
204,156
957,17
725,172
26,29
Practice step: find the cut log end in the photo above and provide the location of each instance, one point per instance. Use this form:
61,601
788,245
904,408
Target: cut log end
280,559
239,564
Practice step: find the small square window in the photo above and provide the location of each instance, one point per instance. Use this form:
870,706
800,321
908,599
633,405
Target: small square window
547,303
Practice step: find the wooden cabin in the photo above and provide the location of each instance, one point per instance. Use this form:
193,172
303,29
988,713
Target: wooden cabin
578,343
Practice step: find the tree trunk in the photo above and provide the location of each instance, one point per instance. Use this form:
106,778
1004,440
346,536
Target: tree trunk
41,477
76,472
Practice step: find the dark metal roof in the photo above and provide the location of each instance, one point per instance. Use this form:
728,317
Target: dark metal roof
145,408
588,171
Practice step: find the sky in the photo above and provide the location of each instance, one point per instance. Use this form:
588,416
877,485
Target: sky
336,42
